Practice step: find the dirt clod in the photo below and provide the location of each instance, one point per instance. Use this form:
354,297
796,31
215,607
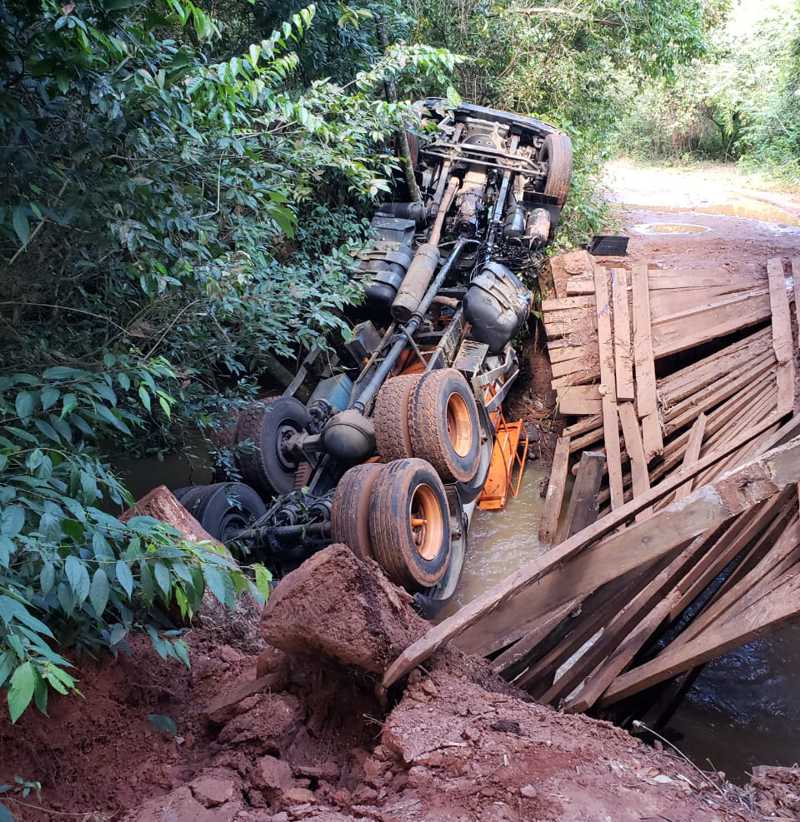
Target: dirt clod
357,617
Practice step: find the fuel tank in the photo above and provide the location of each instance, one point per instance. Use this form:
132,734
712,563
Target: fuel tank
496,305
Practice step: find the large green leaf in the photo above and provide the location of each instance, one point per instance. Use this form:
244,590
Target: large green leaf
124,577
12,520
20,694
24,404
99,592
78,577
21,226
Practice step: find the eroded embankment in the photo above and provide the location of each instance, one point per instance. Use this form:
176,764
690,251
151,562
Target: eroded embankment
301,733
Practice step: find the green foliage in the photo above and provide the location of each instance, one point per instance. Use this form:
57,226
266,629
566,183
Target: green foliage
70,572
179,207
739,102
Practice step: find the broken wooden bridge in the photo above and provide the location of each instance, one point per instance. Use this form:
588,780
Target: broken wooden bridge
672,507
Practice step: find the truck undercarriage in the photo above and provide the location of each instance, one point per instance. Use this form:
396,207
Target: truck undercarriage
390,450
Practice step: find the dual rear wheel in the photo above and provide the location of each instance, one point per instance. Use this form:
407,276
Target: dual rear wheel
431,416
397,514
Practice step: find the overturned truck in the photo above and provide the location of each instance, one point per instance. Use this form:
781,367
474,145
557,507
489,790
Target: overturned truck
391,444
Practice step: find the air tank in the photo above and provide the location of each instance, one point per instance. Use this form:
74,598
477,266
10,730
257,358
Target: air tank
496,305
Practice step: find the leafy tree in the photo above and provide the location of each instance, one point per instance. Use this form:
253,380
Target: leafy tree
739,101
176,216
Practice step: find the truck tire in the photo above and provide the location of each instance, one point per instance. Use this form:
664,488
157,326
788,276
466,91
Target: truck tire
261,428
390,417
224,509
557,153
409,524
350,509
444,425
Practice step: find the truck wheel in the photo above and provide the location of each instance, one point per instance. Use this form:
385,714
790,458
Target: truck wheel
444,426
469,491
391,417
409,524
262,428
350,509
225,508
557,153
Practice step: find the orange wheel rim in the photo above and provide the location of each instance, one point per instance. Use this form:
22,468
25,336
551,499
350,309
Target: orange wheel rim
459,425
426,521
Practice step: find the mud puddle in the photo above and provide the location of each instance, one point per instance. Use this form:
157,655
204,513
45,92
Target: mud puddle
669,228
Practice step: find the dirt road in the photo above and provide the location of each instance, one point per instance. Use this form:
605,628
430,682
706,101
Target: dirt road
702,216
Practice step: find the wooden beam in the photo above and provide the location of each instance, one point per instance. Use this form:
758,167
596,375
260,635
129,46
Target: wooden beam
782,340
646,401
640,479
745,592
582,507
614,651
680,522
555,491
781,605
511,661
579,400
623,359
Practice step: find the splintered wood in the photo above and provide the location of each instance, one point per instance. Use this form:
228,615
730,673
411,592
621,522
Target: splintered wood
680,537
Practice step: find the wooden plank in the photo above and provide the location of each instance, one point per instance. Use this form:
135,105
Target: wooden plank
731,359
652,438
771,611
607,377
577,286
682,415
764,528
506,662
646,400
701,511
607,602
568,302
623,358
743,594
614,651
733,540
692,453
591,374
555,491
582,507
674,334
670,279
579,399
577,367
796,278
570,352
781,334
635,449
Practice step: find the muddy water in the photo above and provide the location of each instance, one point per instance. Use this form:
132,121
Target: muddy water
744,709
141,474
500,541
